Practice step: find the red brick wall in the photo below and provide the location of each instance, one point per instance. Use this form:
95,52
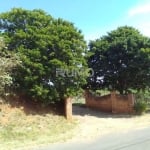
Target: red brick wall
113,102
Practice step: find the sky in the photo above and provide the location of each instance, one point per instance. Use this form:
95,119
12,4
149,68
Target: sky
93,17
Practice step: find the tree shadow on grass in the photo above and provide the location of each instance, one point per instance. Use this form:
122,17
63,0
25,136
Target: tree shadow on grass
31,107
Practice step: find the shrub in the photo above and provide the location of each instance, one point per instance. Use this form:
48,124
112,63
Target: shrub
142,98
140,107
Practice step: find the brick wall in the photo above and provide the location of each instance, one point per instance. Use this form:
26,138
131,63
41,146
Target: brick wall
113,102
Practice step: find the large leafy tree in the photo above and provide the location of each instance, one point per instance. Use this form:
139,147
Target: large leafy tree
52,53
120,60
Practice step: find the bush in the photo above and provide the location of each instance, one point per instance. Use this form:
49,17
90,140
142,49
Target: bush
140,107
142,98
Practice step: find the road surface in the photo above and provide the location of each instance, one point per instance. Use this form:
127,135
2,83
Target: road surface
135,140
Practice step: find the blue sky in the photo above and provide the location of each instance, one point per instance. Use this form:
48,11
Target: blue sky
94,17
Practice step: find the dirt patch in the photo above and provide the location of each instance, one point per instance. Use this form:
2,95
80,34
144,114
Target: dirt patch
93,124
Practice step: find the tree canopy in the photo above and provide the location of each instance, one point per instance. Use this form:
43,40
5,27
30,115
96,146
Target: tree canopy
51,50
120,60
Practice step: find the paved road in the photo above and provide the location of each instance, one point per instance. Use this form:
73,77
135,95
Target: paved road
135,140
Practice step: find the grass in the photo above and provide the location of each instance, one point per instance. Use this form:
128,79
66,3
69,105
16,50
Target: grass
19,130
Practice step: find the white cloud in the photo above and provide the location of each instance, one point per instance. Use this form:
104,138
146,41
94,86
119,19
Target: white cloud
144,27
138,17
140,9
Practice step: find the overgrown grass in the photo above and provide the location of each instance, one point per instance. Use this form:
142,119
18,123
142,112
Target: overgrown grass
21,131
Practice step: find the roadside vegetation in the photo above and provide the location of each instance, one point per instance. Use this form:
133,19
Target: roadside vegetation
44,60
27,126
142,103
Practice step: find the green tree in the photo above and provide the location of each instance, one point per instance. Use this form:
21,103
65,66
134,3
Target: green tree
8,61
120,60
52,53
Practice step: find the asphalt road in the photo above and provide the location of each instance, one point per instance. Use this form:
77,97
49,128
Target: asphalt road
135,140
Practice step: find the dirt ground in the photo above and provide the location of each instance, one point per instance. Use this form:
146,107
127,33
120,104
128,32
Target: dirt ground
93,124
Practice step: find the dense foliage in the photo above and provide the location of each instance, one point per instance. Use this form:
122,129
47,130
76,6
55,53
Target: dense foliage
8,62
51,50
53,55
120,60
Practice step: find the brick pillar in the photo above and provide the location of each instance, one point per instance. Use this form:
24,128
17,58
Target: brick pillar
86,96
131,101
113,101
68,108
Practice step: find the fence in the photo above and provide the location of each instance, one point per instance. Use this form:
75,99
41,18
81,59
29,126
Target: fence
113,102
